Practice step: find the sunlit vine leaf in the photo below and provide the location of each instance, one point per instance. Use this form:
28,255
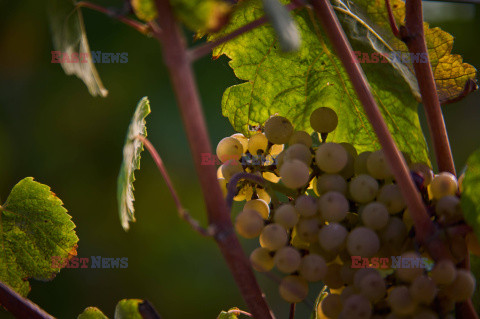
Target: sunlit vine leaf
69,37
131,162
368,22
34,228
144,9
294,85
125,309
470,200
202,15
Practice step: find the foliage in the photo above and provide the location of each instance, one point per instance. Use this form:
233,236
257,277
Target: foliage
470,200
125,309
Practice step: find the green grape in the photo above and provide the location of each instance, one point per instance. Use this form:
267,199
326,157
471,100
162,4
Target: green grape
286,215
350,149
230,168
219,172
347,292
261,259
361,274
360,165
347,272
363,188
394,233
306,205
363,241
273,237
293,289
331,182
444,272
462,287
279,159
287,259
257,144
323,120
315,248
391,196
423,290
299,152
375,215
333,206
425,314
332,236
223,186
349,170
278,130
259,205
331,157
333,277
448,209
307,229
229,148
377,165
373,287
409,274
294,174
243,140
407,218
356,307
249,223
401,301
301,137
332,305
443,184
313,267
424,170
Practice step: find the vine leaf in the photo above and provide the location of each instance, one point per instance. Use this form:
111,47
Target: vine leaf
202,15
368,22
131,161
144,9
70,38
284,25
470,200
34,228
125,309
294,85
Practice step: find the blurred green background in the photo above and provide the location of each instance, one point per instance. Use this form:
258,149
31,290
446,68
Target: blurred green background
53,130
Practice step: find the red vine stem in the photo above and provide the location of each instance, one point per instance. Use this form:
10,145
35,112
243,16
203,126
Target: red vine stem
20,307
391,19
425,229
182,212
413,36
181,74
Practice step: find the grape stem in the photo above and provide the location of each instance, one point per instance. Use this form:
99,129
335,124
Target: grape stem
426,232
182,212
19,306
292,311
391,19
181,74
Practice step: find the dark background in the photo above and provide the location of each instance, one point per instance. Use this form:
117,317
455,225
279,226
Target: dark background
53,130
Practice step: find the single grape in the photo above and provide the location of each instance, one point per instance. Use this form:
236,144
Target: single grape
315,248
259,205
333,206
299,152
363,188
424,170
394,233
356,307
407,218
375,215
306,205
347,272
363,241
448,209
350,149
347,292
286,215
278,130
287,259
333,277
423,290
360,274
425,314
391,196
249,223
332,236
294,174
443,184
257,144
331,157
332,305
349,170
301,137
261,259
410,267
313,267
219,172
444,272
243,140
360,165
462,287
331,182
324,120
373,287
273,237
293,289
307,229
377,165
229,148
230,168
401,301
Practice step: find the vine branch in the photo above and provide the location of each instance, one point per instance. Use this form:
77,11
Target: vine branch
19,306
391,19
183,81
182,212
232,185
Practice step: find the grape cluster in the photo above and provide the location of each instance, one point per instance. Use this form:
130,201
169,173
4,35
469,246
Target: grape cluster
344,222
